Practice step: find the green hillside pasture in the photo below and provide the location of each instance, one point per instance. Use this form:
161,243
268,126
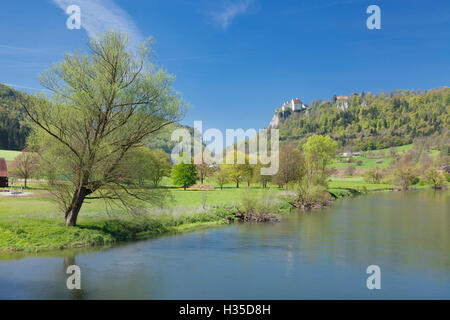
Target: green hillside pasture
9,155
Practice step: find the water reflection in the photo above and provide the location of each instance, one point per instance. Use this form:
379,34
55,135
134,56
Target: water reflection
321,254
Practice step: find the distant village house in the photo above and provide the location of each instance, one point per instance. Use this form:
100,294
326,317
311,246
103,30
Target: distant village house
342,102
3,173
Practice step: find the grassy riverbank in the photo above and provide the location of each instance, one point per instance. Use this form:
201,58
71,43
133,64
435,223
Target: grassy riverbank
38,234
33,224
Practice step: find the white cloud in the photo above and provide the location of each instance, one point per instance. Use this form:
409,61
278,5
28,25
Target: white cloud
99,16
230,10
24,87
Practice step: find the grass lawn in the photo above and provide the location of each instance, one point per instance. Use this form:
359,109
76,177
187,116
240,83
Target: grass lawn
367,163
9,155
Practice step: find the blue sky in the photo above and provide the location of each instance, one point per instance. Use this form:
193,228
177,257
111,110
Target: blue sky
237,60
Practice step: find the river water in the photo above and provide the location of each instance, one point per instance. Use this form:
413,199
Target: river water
320,255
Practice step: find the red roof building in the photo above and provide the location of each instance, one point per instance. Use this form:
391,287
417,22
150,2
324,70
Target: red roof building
3,173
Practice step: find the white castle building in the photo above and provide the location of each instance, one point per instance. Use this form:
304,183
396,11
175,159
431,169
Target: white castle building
293,105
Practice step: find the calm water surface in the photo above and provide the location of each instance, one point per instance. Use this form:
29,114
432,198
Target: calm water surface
321,255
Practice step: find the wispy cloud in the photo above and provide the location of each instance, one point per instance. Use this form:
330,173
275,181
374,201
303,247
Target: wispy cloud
98,16
8,48
24,87
230,11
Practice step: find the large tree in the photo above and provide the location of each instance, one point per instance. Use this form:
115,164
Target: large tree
102,105
184,174
319,152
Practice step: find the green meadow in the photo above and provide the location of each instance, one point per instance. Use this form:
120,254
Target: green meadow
384,159
9,155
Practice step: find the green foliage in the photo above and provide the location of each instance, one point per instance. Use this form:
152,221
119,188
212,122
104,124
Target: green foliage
184,174
221,176
148,165
373,176
103,105
291,166
13,131
310,195
319,152
373,121
434,177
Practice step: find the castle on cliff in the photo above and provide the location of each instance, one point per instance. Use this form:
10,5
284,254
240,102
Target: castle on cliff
286,109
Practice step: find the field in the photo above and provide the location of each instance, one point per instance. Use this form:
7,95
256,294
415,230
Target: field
371,163
9,155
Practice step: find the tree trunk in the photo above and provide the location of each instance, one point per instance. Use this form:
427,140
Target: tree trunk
25,183
72,212
237,185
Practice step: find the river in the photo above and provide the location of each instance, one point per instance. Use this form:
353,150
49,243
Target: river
319,255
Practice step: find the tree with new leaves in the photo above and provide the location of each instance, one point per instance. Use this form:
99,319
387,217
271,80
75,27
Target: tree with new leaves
319,152
263,179
148,166
404,171
26,164
434,177
102,106
221,176
184,174
291,167
159,166
374,175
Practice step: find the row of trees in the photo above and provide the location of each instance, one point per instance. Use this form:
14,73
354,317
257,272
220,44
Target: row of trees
148,167
294,165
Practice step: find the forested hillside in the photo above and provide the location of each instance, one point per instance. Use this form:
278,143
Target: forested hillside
372,121
12,131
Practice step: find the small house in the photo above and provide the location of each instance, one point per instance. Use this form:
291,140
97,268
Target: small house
3,173
342,102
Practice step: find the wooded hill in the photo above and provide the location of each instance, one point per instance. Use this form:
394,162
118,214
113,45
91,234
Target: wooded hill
12,130
372,121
